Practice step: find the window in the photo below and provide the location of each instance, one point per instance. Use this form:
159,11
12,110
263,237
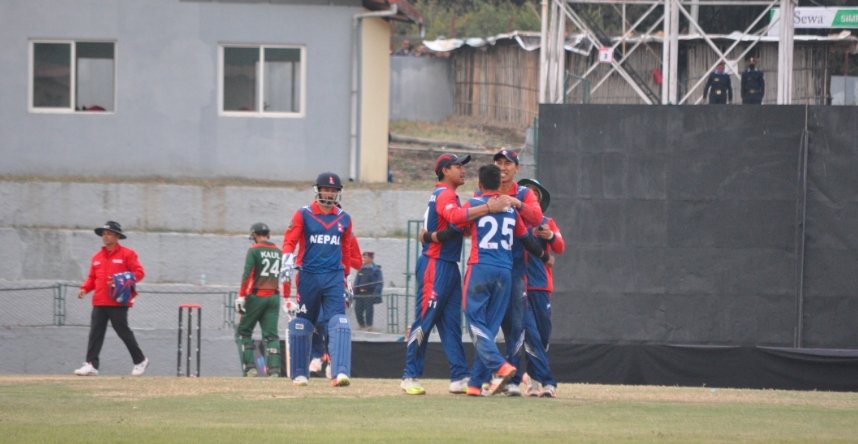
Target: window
272,87
72,76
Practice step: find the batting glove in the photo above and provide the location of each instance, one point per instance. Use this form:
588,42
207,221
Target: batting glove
348,292
290,307
239,304
287,267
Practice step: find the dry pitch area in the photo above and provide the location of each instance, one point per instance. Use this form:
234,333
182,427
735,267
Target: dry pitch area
168,409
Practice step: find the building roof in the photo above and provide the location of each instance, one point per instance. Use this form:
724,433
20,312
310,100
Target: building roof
578,43
405,11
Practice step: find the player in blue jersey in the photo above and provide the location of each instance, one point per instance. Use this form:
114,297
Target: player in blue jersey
488,280
323,231
439,283
537,312
531,214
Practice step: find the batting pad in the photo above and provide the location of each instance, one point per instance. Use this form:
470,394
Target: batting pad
300,343
340,345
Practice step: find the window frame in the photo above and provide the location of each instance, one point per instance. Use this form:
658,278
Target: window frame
260,80
72,77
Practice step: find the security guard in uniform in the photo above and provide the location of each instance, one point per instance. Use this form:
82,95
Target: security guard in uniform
753,84
718,87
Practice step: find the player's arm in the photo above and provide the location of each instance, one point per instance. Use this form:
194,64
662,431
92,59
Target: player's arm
455,214
531,244
530,210
354,261
292,235
557,244
249,273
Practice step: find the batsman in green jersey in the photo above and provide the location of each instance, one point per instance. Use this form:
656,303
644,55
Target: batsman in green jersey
259,301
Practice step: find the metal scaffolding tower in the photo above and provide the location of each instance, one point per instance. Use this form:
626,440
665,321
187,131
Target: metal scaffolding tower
552,54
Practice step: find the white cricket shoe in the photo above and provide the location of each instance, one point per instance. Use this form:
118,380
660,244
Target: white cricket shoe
533,389
300,381
316,365
459,386
512,390
341,381
549,391
86,370
140,368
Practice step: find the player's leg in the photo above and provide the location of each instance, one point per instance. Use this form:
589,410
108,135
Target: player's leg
244,332
340,345
425,316
537,360
500,298
333,315
119,320
483,312
301,327
319,339
268,324
540,304
450,324
512,321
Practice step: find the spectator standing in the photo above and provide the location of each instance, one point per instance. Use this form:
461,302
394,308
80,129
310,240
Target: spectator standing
368,285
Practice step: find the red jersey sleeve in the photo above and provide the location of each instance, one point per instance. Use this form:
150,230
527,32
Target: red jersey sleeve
557,244
292,235
89,284
520,229
134,265
449,209
354,260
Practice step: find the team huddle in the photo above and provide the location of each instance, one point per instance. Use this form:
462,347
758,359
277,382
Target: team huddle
507,286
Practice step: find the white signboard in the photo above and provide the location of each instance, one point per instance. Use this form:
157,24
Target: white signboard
605,55
820,18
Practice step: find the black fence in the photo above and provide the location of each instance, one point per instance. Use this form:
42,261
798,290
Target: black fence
705,225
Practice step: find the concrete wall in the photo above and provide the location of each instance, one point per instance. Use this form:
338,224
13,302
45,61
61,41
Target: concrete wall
166,121
421,88
180,231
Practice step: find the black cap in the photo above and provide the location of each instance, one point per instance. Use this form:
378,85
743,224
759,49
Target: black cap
544,195
445,160
329,180
111,226
510,155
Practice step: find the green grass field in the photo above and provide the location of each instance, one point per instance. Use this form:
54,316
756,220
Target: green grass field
68,409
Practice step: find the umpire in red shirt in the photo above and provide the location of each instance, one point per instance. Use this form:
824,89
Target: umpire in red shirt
112,259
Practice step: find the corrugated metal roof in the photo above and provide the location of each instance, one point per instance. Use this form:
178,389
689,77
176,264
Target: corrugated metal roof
578,43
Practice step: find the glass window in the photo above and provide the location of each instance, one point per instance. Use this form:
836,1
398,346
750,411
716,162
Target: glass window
274,87
79,73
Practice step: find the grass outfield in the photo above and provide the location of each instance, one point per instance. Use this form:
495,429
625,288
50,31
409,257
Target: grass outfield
69,409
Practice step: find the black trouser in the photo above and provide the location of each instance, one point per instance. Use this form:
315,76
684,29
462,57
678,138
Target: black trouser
364,309
118,317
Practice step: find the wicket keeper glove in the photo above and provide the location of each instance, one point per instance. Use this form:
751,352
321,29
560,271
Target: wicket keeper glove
290,307
239,304
287,267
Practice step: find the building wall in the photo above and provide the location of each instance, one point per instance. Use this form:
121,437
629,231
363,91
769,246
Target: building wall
166,121
375,98
421,88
